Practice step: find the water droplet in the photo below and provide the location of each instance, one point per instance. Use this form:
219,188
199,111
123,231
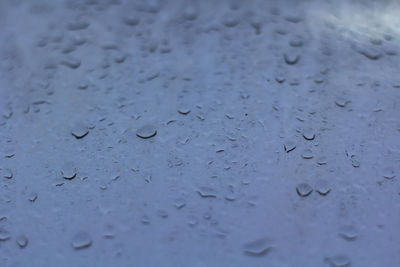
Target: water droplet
307,154
145,219
389,173
147,131
81,240
322,160
32,197
308,134
348,233
258,248
341,102
4,234
291,58
289,146
354,162
184,110
68,171
206,192
338,261
370,53
296,42
22,241
8,173
322,187
71,62
79,130
162,214
304,189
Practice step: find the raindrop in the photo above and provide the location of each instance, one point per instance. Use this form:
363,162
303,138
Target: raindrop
145,220
4,234
71,62
146,131
296,42
289,146
8,173
258,248
280,79
338,261
370,53
355,162
341,102
68,171
304,189
206,192
322,187
308,134
32,197
81,240
162,214
307,154
322,160
22,241
79,130
389,173
291,59
348,233
179,203
184,110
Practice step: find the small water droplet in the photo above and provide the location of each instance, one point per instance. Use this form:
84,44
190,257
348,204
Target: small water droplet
289,146
147,131
291,58
389,173
32,197
206,192
348,233
304,189
341,102
79,130
22,241
308,134
258,248
307,154
184,110
322,187
4,234
338,261
81,240
68,171
8,173
71,62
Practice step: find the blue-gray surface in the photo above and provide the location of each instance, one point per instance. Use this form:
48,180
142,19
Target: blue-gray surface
199,133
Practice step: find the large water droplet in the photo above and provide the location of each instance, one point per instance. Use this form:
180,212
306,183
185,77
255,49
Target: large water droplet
147,131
